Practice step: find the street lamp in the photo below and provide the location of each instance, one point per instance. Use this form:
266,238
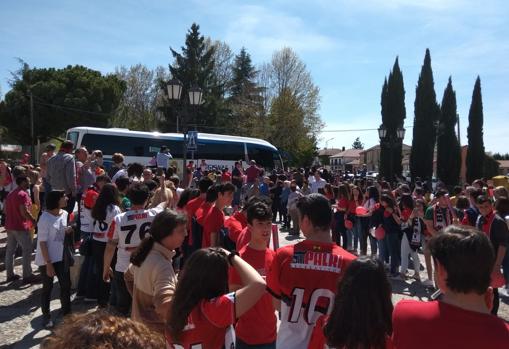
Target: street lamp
391,140
327,141
174,88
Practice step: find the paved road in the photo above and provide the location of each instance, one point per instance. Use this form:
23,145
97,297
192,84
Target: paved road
20,314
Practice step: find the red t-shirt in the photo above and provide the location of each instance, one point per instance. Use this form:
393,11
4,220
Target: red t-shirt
262,313
209,325
439,325
235,224
243,238
318,341
212,223
191,208
305,276
226,177
13,218
202,212
252,172
343,204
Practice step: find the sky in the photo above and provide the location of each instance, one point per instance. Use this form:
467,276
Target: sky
349,47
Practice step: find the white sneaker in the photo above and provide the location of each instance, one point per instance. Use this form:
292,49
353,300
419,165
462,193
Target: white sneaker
428,283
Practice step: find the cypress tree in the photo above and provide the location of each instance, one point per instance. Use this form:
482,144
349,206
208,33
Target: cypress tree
426,112
448,147
393,116
475,152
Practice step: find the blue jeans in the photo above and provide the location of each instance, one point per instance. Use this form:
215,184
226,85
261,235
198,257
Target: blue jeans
383,249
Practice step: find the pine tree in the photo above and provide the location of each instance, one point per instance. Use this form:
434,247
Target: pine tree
357,144
194,66
475,152
448,147
393,117
427,112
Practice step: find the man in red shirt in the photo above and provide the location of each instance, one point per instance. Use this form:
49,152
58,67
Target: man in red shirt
303,277
236,223
213,220
18,222
191,207
460,318
252,172
256,253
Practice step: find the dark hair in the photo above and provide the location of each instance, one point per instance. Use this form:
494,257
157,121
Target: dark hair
362,313
103,178
481,199
186,196
259,210
317,208
407,201
225,187
455,248
122,183
53,198
175,180
502,206
211,195
344,191
67,145
108,196
163,225
21,179
373,193
151,184
387,199
204,277
462,202
441,193
138,193
102,330
204,184
457,190
135,170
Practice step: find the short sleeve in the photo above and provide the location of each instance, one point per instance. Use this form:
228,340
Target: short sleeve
113,230
273,277
220,311
42,229
26,199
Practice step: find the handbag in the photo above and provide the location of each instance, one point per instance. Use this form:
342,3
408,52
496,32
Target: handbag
86,246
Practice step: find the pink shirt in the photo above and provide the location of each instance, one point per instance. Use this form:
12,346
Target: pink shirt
13,218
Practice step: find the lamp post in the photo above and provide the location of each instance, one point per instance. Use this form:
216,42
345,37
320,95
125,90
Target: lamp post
391,140
327,141
174,89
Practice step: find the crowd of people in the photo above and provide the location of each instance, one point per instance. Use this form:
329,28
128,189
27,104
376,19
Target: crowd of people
187,259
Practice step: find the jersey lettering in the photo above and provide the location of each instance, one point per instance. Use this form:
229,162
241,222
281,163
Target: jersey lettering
311,311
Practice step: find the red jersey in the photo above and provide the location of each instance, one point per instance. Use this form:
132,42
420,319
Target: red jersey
343,204
440,325
318,341
226,177
243,238
202,212
212,223
209,325
305,276
191,208
262,313
14,220
235,224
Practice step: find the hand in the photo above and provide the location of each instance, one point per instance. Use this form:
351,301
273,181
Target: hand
50,270
107,274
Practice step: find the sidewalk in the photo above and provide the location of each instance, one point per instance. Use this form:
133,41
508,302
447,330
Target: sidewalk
20,313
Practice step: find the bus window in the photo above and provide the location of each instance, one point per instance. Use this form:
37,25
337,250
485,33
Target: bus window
261,154
209,149
73,137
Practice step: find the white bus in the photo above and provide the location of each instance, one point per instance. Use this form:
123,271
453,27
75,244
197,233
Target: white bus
141,147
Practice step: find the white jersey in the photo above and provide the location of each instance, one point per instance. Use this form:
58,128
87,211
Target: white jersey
129,228
101,227
86,220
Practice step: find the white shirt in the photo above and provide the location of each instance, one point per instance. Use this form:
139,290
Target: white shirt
51,229
101,228
129,228
162,159
318,184
120,173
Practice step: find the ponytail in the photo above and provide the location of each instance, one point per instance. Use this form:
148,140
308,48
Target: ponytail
138,256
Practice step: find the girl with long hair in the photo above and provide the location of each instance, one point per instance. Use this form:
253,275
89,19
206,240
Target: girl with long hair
362,313
367,220
390,245
151,279
203,310
341,214
106,207
357,200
